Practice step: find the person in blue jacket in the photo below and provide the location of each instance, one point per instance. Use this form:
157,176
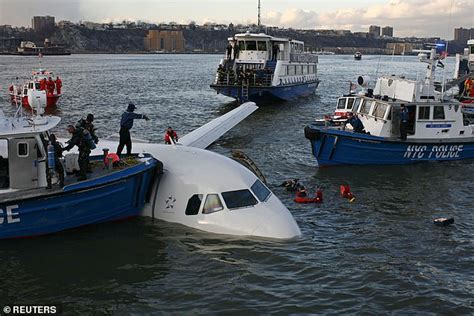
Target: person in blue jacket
126,123
403,122
355,122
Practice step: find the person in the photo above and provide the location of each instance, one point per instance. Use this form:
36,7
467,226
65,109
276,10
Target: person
89,126
58,153
78,139
355,122
50,86
126,123
229,51
43,84
170,135
275,50
403,122
221,73
59,85
236,50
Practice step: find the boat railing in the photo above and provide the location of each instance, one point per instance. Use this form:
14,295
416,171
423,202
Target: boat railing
303,58
250,78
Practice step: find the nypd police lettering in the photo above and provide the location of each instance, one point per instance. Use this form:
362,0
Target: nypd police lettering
436,151
9,216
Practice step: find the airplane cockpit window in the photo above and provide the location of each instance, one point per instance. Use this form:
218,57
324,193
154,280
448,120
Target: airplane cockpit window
213,204
260,190
194,203
239,198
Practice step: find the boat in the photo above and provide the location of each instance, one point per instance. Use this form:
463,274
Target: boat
34,202
438,129
464,77
35,85
260,68
28,48
358,55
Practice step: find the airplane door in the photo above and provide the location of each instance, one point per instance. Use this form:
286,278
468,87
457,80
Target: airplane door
22,154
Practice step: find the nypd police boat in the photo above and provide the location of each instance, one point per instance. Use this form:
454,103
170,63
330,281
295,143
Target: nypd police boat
260,67
32,201
438,129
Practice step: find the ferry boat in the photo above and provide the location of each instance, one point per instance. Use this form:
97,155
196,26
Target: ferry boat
260,67
32,200
438,129
37,84
358,56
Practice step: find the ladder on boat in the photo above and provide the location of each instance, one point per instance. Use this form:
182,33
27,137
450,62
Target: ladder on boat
245,93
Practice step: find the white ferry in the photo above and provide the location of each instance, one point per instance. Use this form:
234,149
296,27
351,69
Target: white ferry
260,67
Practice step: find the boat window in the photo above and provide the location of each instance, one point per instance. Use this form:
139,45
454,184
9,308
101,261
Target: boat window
241,45
341,103
356,104
37,85
30,85
4,182
213,204
262,46
194,203
438,113
251,45
299,70
305,70
379,110
239,198
350,103
260,190
283,71
423,112
22,149
291,70
365,107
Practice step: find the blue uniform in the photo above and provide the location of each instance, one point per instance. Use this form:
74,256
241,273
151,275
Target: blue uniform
126,123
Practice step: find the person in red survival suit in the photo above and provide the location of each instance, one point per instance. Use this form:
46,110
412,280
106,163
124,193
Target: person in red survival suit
59,85
50,86
170,134
43,84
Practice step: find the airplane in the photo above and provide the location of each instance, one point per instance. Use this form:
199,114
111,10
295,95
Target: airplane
208,191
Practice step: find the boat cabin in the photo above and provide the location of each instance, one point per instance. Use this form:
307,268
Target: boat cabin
23,153
427,120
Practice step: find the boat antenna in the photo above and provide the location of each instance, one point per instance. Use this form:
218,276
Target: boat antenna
446,55
258,20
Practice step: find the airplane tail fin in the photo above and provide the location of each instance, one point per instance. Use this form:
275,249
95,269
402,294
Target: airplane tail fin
205,135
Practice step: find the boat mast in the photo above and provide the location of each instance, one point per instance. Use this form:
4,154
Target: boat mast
258,20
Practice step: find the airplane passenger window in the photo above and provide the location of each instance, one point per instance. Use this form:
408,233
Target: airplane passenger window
194,203
213,204
260,190
239,198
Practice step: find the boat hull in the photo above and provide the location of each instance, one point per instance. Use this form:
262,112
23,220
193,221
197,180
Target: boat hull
51,100
260,94
335,147
112,197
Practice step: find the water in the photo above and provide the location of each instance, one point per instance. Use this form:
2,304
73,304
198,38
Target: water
380,254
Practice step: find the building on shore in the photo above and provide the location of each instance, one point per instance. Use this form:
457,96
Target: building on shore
387,31
463,35
41,23
374,30
169,41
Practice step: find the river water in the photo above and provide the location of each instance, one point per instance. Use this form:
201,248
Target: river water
380,254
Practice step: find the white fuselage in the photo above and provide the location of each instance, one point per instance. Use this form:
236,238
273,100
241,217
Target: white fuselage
191,172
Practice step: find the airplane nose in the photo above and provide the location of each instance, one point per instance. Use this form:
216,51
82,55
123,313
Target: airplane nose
277,221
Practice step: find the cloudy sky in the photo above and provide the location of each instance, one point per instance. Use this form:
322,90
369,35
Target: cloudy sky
408,17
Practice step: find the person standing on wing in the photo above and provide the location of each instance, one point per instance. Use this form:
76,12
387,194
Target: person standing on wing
126,124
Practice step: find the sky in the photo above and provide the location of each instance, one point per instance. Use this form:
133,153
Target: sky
408,17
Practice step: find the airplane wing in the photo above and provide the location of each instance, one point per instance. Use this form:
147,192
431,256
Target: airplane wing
210,132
